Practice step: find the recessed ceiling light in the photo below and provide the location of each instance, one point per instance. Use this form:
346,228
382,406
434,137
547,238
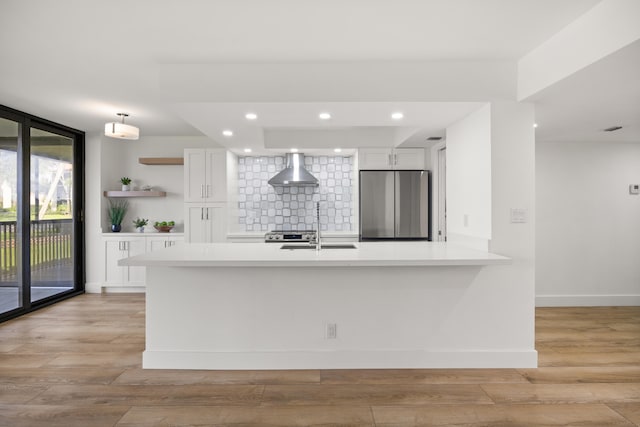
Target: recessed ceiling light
397,116
324,116
294,150
227,132
247,150
337,150
535,125
251,116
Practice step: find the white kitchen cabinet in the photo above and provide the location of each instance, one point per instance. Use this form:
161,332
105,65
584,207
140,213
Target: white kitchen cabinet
391,159
205,223
163,241
205,175
117,248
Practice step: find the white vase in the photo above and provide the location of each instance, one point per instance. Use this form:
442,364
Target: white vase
140,229
125,187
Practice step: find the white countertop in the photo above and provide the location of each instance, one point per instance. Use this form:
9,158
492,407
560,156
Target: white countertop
367,254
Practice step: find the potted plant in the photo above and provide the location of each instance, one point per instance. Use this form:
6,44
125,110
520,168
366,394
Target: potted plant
117,210
139,223
125,183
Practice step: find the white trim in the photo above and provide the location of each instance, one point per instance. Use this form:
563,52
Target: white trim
586,300
435,224
109,288
349,359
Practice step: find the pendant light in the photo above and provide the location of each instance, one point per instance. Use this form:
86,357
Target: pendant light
121,130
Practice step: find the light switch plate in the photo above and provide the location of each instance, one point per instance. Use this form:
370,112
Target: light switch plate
634,189
518,215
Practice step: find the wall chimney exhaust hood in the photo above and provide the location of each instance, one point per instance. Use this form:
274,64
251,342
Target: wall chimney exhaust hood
294,174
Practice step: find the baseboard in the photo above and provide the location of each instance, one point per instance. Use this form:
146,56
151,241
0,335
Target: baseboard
323,359
104,288
586,300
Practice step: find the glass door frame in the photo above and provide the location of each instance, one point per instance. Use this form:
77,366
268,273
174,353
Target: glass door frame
25,123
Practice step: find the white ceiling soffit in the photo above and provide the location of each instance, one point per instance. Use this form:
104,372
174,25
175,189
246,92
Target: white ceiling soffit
605,94
352,124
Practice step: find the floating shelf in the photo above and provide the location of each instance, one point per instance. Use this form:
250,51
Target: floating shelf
161,161
135,194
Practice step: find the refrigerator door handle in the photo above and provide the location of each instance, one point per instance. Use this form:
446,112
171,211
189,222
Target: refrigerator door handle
396,205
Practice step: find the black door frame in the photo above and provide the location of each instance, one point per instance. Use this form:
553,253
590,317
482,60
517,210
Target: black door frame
25,122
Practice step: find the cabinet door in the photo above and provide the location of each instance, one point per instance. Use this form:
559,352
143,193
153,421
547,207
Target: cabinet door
114,274
375,158
408,158
195,173
217,223
161,242
135,276
216,176
195,227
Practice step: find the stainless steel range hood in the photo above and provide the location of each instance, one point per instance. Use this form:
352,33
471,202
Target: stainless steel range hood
294,174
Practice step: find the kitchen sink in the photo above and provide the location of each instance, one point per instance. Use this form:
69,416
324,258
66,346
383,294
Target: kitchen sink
324,246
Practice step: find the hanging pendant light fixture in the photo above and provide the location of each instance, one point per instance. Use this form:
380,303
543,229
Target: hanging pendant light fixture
121,130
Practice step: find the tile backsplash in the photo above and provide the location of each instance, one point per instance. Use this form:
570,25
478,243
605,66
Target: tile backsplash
262,207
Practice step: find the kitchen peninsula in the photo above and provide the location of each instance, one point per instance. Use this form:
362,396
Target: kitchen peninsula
380,305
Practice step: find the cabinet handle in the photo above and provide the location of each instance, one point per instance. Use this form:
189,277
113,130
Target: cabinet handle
201,214
208,191
390,163
202,190
207,209
395,159
119,246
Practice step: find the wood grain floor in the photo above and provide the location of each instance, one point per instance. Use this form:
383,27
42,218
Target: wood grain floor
78,364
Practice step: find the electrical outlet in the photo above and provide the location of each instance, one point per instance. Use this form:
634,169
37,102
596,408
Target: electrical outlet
332,331
634,189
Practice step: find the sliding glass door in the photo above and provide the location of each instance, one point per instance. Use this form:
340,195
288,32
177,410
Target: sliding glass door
41,231
51,214
10,254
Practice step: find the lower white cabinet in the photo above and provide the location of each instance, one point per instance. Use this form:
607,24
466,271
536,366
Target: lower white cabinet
117,248
205,223
165,241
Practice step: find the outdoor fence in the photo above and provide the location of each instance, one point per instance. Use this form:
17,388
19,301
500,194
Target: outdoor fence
51,245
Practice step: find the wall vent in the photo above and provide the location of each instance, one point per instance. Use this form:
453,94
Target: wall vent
434,138
613,128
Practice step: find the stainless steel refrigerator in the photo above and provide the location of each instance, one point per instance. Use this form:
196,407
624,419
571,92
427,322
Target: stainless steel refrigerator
395,205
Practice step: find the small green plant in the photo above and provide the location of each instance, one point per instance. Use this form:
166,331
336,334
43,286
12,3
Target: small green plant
140,222
117,210
125,180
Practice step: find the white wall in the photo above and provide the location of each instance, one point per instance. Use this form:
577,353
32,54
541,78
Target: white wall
469,178
494,154
120,158
588,225
107,160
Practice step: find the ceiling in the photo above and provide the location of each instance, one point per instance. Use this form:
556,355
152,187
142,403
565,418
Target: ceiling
79,62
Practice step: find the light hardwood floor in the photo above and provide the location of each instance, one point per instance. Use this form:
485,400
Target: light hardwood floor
78,364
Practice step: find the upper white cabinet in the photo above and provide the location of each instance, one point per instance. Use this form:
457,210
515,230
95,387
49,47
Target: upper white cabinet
205,175
389,158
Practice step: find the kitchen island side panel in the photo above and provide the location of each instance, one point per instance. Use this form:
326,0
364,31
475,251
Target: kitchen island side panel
386,317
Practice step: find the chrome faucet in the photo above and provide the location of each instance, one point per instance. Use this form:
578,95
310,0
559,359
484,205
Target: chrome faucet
318,238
